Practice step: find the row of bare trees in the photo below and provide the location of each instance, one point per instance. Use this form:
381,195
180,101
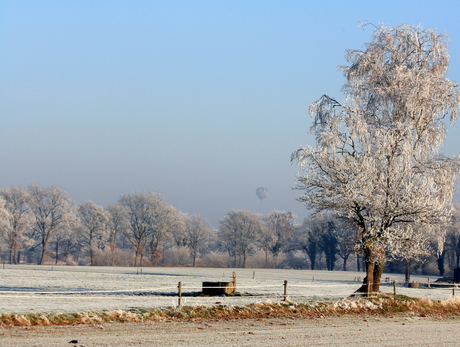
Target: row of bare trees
34,218
39,224
44,225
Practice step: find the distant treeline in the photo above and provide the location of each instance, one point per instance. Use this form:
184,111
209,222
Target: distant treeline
43,225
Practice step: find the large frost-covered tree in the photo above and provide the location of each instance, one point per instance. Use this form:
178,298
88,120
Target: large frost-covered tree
376,158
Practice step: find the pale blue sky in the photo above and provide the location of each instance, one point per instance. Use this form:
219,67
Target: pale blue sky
203,101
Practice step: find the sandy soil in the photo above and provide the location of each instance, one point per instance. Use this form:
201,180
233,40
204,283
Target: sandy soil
328,331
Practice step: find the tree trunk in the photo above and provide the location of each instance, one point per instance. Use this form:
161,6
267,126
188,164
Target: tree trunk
155,252
312,257
44,250
358,262
194,254
56,252
91,252
345,263
457,257
378,271
275,261
440,262
45,239
266,258
408,265
369,279
112,256
91,256
371,283
136,257
374,271
42,256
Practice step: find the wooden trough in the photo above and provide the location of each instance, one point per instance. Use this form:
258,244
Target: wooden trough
218,288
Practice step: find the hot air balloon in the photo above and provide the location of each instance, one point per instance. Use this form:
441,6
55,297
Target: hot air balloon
261,193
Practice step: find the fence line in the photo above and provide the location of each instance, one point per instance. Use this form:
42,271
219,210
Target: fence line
439,286
179,291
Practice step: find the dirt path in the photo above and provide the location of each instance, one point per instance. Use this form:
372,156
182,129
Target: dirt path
329,331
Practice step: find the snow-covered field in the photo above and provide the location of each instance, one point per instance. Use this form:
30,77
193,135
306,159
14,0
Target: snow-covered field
28,288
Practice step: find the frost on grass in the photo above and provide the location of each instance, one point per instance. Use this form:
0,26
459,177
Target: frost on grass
356,305
376,306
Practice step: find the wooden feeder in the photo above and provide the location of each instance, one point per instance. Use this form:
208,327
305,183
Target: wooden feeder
218,288
414,285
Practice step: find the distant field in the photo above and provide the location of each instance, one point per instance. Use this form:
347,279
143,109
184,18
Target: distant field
29,288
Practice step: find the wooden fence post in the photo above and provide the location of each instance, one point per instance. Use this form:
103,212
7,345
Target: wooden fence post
234,279
285,290
453,289
179,288
394,287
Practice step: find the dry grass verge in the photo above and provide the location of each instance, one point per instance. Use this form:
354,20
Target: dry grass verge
384,305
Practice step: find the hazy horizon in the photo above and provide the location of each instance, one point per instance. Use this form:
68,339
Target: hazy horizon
201,101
